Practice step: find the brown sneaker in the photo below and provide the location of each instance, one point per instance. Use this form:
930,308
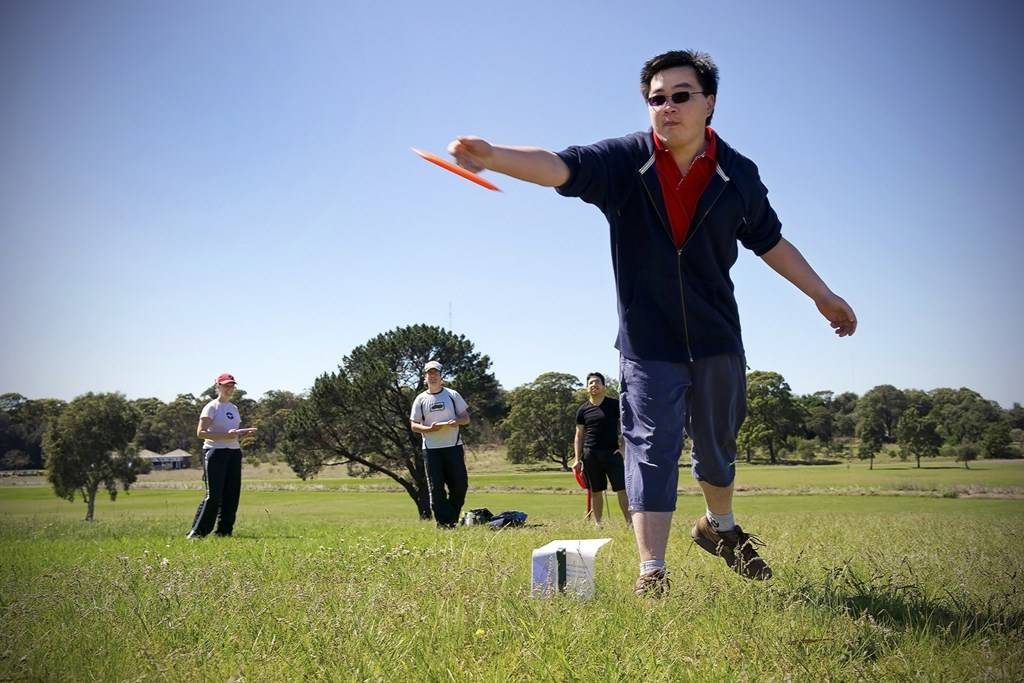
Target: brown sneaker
653,584
725,544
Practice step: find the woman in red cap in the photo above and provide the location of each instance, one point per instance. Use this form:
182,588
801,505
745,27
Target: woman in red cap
220,427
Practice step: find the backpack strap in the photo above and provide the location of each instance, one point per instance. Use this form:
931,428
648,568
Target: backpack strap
455,412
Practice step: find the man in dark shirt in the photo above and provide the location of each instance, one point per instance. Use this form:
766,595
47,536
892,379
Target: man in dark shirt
679,201
597,439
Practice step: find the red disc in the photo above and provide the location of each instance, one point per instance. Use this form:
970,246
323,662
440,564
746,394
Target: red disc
457,170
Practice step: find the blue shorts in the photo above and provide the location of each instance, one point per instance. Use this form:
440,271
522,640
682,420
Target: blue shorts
658,399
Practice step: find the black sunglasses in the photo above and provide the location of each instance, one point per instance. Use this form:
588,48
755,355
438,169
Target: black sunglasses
676,97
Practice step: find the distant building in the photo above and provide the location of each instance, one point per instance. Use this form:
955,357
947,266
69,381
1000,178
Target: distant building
177,459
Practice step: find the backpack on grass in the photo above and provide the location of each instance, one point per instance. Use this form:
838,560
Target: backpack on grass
477,516
508,518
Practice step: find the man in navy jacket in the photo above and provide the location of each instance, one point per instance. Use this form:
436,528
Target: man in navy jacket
677,199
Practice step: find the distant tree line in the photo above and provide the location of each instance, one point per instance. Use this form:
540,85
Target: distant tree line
358,416
160,427
906,423
536,422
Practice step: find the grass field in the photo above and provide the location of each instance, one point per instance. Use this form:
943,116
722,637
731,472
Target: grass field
490,472
328,584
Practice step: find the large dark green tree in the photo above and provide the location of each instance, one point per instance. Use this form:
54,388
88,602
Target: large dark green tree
169,426
872,438
88,446
996,441
844,418
359,415
541,422
917,435
878,412
773,415
963,415
23,422
271,416
1015,416
819,416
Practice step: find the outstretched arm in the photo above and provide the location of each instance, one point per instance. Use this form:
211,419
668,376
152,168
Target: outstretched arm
532,164
788,262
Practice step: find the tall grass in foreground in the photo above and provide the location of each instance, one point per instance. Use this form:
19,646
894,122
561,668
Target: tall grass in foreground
352,587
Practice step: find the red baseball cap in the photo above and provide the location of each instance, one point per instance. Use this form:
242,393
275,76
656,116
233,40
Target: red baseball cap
225,378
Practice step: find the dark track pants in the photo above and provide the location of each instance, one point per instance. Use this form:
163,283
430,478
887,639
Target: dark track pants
446,469
222,473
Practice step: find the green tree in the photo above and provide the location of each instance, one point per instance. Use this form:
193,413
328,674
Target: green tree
170,426
271,416
541,422
921,401
819,416
996,441
23,422
772,413
878,412
963,414
871,437
147,406
965,453
844,416
805,449
1015,416
88,446
917,435
359,415
145,436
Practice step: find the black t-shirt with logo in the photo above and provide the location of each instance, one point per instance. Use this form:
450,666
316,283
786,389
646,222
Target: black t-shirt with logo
600,425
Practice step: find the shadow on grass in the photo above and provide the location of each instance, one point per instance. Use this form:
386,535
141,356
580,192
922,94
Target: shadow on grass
789,462
908,468
896,601
255,536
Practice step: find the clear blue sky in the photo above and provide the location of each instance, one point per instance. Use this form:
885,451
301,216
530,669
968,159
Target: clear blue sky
193,187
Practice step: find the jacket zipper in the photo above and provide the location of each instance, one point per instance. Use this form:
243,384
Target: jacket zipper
679,270
679,257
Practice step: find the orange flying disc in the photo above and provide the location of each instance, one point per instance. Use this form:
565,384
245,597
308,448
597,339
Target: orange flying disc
457,170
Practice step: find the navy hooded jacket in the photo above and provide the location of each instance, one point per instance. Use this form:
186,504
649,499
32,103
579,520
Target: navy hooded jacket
674,305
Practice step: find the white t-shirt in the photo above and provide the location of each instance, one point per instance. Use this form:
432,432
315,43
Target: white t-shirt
430,409
224,416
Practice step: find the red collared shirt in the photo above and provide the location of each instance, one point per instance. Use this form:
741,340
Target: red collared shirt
681,192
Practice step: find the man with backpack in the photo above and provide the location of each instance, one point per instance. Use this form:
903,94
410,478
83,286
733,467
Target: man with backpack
437,415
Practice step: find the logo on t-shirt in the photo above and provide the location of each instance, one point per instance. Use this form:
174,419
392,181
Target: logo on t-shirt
230,416
438,406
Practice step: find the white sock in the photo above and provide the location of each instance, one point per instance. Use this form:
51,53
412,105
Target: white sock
721,523
648,566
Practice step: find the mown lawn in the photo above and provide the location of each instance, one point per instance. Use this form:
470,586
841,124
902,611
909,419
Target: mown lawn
936,477
328,585
489,471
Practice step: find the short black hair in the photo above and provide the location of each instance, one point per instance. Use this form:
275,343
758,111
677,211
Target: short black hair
707,71
599,376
